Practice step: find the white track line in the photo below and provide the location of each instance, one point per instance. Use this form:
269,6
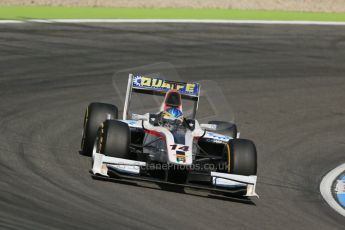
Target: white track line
10,21
326,186
191,21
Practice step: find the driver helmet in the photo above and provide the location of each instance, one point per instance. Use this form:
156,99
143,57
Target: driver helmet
172,105
172,110
172,119
172,113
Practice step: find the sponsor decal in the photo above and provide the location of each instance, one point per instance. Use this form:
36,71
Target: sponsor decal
180,156
143,82
340,190
180,152
216,136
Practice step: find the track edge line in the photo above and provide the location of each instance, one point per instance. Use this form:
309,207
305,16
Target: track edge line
191,21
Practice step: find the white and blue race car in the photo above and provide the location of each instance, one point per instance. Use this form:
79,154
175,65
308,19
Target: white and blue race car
167,147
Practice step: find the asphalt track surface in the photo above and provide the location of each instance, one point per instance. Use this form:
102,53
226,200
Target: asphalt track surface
286,84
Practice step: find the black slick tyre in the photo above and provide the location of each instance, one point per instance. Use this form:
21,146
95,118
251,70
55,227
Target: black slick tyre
114,139
243,157
95,114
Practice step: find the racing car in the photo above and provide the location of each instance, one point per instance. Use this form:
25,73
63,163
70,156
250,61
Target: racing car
167,147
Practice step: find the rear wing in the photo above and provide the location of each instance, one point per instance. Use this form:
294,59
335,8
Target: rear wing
158,86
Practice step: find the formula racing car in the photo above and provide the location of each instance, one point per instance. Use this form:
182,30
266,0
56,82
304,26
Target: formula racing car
166,147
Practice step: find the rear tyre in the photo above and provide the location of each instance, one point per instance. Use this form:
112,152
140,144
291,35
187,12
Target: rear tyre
95,114
225,128
114,139
243,157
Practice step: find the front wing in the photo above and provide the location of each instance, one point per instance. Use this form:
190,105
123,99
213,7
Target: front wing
104,167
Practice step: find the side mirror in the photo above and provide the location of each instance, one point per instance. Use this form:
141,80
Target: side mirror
212,127
140,117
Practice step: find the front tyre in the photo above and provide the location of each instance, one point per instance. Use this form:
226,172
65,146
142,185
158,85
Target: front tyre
95,114
114,139
243,157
